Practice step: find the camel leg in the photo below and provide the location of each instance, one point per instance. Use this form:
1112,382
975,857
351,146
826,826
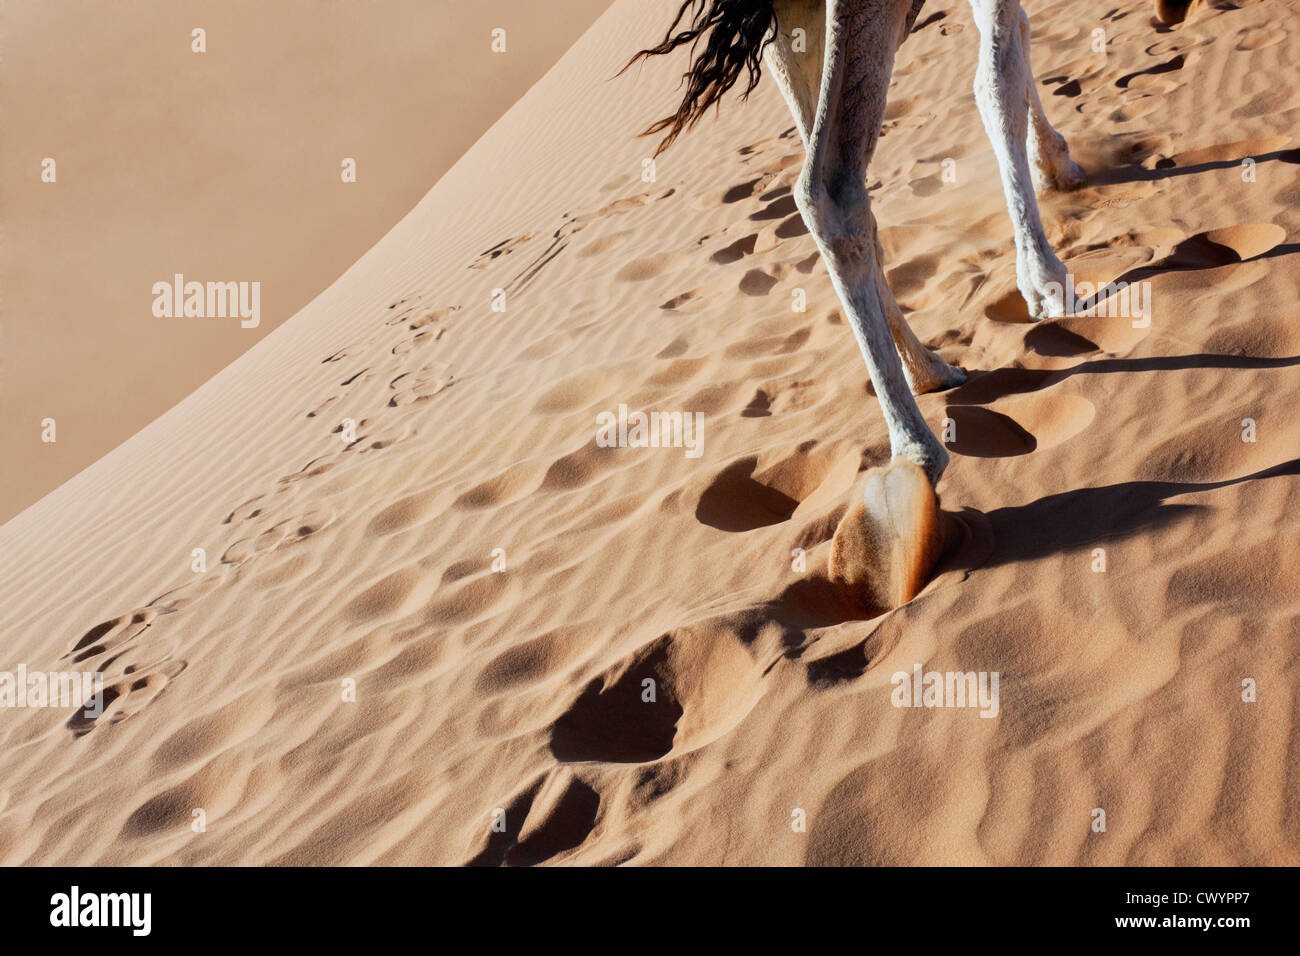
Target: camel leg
1003,93
1049,154
832,196
799,76
925,370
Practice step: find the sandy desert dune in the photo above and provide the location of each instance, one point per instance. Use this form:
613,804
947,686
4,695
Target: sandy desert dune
432,598
222,165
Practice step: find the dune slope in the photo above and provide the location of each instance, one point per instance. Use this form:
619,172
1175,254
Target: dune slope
224,165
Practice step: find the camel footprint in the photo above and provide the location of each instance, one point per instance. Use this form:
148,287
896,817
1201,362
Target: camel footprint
287,531
134,667
126,697
676,694
422,384
560,238
750,493
696,684
1016,425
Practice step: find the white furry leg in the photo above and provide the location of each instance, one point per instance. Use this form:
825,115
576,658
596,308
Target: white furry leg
832,196
838,101
925,370
799,77
1002,93
1049,154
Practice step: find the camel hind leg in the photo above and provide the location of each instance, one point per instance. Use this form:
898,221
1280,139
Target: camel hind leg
799,76
925,370
888,541
831,193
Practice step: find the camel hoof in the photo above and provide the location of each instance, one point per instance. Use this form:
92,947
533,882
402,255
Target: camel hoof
890,540
950,377
1072,178
956,377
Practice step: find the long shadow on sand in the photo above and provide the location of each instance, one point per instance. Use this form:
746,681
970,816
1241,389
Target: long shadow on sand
1173,363
1075,520
984,387
1194,254
1140,174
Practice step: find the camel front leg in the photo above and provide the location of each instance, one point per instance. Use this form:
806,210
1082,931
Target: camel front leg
832,196
1003,91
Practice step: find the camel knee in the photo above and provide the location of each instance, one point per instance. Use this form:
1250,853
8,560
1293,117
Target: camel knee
839,218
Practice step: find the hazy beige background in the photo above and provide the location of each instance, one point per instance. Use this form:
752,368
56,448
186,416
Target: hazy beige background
222,166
